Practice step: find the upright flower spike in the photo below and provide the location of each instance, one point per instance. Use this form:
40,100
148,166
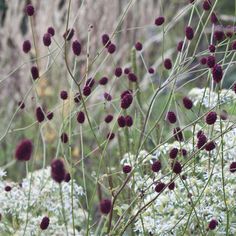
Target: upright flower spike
58,170
24,150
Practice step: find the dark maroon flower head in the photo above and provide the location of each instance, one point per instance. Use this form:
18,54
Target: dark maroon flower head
26,47
183,152
39,114
160,187
110,136
108,118
77,98
90,82
180,46
232,167
234,87
188,104
50,115
217,73
202,140
68,35
233,45
21,105
171,117
47,39
126,71
127,169
132,77
224,115
211,145
203,60
123,94
159,20
173,153
8,188
58,170
111,48
67,178
128,121
105,206
76,47
211,61
118,71
24,150
171,185
219,35
138,46
206,5
34,72
176,167
86,91
103,81
212,224
199,133
214,19
51,31
80,117
156,166
178,135
212,48
151,70
105,39
211,118
64,95
44,223
29,10
189,33
229,31
121,121
126,101
64,137
167,63
107,96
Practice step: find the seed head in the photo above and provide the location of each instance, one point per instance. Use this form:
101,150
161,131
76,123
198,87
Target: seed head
105,40
21,105
90,82
202,139
77,98
110,136
211,118
232,167
233,45
8,188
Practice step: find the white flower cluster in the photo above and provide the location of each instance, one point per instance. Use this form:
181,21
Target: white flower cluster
41,196
209,98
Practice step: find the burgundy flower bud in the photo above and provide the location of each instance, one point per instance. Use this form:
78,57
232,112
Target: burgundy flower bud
67,178
214,19
212,224
188,104
105,206
160,187
26,47
50,115
86,91
167,64
111,48
173,153
44,223
180,46
224,115
126,101
21,105
29,10
107,96
121,121
176,167
34,72
183,152
151,70
156,166
90,82
110,136
217,73
202,140
24,150
8,188
80,117
126,71
211,61
210,146
47,39
103,81
212,48
159,20
58,170
233,45
138,46
51,31
132,77
64,137
127,169
77,98
171,117
189,33
64,95
123,94
76,47
68,35
171,186
219,35
108,118
232,167
203,60
128,121
118,71
39,114
199,133
211,118
206,5
105,39
178,135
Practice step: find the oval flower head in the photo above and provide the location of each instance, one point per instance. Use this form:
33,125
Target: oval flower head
24,150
